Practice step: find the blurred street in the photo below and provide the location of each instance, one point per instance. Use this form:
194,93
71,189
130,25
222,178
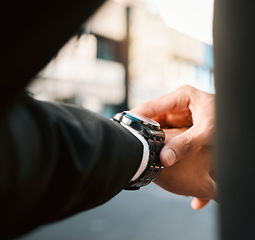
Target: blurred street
147,214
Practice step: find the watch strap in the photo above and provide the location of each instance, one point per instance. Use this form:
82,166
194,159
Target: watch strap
152,169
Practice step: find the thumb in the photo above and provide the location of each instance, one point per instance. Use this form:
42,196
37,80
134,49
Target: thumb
177,147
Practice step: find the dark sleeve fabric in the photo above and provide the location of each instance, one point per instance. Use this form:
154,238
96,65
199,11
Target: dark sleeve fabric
57,160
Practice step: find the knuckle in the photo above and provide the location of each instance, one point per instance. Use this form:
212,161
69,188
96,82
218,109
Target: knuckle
187,146
186,87
182,147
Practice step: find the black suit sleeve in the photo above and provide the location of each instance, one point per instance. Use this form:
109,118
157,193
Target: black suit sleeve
57,160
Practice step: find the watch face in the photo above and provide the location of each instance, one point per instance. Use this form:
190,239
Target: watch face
139,117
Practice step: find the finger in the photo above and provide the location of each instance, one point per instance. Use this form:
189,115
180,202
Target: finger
167,103
197,203
179,146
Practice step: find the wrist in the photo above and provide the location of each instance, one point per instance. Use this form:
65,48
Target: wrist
154,136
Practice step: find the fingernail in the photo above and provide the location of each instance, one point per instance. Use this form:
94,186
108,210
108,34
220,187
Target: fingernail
169,157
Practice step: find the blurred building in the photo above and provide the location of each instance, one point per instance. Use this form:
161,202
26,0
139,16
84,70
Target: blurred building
122,56
162,59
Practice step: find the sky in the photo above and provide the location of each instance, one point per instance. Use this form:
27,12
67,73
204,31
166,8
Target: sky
192,17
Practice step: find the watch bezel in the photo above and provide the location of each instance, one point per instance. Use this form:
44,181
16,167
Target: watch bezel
146,126
140,118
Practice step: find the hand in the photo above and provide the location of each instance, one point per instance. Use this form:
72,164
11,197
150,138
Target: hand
185,107
192,175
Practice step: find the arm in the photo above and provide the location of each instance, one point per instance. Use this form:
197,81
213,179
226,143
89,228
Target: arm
57,160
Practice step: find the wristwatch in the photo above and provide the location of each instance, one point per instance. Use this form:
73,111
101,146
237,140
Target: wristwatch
155,137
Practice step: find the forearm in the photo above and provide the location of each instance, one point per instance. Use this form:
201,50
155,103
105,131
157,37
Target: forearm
57,160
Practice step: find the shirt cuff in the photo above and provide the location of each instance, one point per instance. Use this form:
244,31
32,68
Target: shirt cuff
146,151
